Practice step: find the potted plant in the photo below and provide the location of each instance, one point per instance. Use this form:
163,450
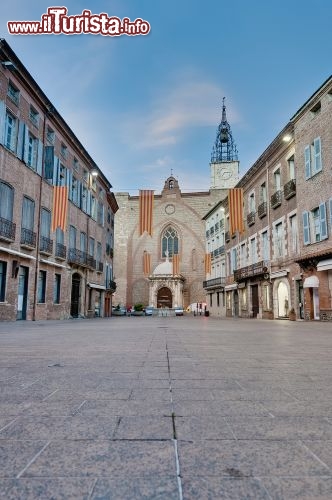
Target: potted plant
292,314
138,310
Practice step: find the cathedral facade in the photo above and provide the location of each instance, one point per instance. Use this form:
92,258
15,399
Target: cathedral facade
144,268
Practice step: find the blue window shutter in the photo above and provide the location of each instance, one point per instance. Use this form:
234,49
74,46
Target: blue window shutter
330,203
88,210
20,140
307,162
56,172
306,229
26,143
323,221
40,158
2,121
317,155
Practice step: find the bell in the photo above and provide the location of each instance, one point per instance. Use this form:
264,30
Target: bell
223,135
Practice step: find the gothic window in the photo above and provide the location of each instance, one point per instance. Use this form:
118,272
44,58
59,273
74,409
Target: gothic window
171,184
169,242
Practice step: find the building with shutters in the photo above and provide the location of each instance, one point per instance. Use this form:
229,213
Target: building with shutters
45,273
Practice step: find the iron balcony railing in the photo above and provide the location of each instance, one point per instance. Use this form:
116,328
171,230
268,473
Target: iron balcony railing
262,210
251,218
214,282
257,269
276,199
111,286
7,229
100,267
60,251
290,189
46,245
91,262
28,237
76,256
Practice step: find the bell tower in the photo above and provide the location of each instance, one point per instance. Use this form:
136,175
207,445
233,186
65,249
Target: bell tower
224,165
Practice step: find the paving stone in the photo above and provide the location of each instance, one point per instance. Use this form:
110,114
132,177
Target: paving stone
15,455
55,488
203,427
153,488
306,488
201,488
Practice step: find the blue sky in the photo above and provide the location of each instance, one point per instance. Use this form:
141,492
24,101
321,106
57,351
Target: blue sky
144,105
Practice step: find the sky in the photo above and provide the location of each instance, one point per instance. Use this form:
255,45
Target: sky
149,105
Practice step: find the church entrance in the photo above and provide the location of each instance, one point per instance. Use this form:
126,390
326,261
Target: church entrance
164,297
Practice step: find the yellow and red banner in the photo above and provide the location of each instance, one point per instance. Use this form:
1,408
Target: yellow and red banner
60,207
146,198
207,263
235,204
146,263
176,264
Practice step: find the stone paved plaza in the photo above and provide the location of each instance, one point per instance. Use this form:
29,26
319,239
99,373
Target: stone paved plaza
165,408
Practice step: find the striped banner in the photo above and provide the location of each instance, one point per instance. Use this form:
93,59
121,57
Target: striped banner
176,264
146,263
207,262
60,206
145,211
235,204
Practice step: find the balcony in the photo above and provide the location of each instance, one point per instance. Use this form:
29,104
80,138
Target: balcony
290,189
60,251
251,218
91,262
276,199
28,238
76,256
262,210
214,283
227,236
46,245
111,286
7,229
100,267
109,250
258,269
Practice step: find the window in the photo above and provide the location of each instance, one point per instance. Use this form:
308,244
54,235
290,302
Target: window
63,175
32,151
74,191
233,260
293,243
83,242
170,242
45,223
210,300
252,202
84,201
98,251
10,131
93,182
313,158
291,168
315,225
41,287
171,184
34,116
3,272
91,246
93,208
7,201
50,135
263,192
85,176
56,288
64,150
76,165
265,246
28,213
278,240
243,256
253,251
277,180
72,237
100,213
13,93
218,299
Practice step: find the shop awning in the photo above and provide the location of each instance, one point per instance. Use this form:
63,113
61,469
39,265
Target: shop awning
97,286
311,282
324,265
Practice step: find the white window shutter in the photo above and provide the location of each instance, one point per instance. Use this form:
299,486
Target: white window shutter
318,155
20,140
306,228
323,221
40,158
2,121
307,162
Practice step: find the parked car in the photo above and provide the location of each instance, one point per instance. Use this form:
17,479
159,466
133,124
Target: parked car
178,311
119,311
148,311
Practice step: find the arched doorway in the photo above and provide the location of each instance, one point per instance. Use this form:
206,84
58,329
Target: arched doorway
164,297
283,300
75,295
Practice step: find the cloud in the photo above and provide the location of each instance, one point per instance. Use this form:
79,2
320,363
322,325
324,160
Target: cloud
191,103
